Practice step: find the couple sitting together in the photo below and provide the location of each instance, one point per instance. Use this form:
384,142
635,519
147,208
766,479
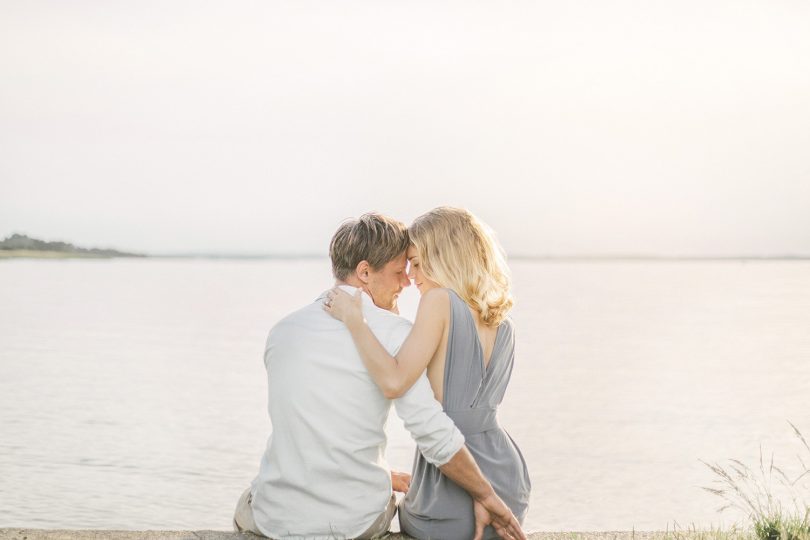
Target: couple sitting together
335,367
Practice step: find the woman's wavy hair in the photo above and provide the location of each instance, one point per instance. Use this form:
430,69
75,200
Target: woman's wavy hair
460,252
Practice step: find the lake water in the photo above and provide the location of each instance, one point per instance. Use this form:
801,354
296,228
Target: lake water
132,392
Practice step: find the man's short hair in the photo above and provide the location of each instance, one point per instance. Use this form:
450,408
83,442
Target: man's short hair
372,237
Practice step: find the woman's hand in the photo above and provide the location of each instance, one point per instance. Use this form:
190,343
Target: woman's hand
400,481
343,306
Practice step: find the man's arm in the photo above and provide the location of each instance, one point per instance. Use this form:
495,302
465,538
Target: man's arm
442,444
489,508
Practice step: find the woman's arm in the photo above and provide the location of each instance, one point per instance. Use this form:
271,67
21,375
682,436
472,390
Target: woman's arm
394,375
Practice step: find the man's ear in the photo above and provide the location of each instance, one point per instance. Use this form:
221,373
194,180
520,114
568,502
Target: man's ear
361,271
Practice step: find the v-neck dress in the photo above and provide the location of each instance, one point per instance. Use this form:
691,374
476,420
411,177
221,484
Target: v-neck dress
435,507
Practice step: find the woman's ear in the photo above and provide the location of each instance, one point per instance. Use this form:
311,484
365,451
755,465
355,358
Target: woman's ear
361,271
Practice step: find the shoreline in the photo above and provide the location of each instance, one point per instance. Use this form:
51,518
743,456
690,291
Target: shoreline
37,254
19,533
47,254
53,254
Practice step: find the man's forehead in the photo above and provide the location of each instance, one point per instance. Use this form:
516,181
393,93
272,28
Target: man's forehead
396,262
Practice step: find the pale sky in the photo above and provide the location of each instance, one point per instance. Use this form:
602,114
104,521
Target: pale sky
573,127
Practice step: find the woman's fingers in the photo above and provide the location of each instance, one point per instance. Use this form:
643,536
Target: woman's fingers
329,301
340,304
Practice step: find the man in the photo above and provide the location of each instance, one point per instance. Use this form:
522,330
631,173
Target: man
323,474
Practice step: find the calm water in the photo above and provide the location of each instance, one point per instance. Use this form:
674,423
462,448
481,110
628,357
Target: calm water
132,393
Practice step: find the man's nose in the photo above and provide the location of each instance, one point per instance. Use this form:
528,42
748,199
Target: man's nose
406,279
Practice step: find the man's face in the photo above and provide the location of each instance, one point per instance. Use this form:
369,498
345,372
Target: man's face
385,284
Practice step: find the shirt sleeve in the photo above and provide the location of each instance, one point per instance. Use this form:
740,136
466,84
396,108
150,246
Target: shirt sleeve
436,436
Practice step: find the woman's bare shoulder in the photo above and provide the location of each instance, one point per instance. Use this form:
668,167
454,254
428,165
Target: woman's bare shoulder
436,297
435,302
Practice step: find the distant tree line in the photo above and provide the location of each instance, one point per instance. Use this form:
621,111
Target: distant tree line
21,241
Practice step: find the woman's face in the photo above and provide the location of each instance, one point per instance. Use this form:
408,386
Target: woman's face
415,272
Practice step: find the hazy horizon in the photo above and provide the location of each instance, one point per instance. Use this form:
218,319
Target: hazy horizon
225,254
586,128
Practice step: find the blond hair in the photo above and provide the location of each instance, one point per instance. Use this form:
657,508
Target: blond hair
372,237
460,252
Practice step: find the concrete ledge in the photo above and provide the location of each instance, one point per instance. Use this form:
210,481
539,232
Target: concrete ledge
44,534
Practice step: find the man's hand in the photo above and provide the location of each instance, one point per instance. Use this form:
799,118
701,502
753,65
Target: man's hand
488,508
400,481
493,511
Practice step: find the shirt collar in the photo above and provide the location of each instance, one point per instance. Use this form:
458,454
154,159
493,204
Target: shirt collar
367,301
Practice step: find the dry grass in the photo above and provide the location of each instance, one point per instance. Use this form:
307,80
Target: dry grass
778,506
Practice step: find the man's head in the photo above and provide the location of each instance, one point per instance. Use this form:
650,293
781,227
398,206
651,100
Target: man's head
369,252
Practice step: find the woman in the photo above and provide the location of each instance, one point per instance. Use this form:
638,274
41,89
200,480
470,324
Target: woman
462,337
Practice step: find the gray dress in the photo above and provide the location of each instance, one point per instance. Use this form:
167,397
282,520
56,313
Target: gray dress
436,507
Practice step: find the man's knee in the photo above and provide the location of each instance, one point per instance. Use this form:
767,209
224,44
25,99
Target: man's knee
380,527
243,515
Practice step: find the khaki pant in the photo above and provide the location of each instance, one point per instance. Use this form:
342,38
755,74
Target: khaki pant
243,518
